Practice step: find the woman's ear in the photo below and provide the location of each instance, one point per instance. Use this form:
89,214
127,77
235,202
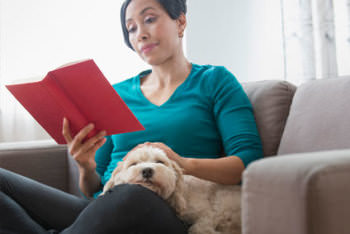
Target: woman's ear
181,24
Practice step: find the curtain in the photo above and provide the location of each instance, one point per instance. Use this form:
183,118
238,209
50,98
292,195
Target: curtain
310,45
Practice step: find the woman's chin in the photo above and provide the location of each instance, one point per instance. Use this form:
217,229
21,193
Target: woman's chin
154,60
151,60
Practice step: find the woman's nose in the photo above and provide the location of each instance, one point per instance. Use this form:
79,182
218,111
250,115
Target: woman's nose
142,34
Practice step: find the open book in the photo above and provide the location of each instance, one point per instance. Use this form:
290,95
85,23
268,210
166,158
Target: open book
82,94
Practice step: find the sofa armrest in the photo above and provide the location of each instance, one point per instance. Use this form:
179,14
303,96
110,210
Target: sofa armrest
44,161
306,193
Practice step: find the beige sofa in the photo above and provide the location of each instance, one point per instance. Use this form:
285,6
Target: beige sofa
305,189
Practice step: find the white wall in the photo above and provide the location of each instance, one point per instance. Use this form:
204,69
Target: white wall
243,35
39,35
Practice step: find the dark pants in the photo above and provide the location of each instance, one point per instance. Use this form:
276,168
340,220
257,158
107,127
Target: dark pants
27,206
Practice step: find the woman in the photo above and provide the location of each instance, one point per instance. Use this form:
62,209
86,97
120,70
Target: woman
194,113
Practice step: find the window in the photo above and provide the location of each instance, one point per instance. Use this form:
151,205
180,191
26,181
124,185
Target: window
39,35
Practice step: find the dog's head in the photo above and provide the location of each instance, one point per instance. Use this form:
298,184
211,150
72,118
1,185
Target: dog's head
151,168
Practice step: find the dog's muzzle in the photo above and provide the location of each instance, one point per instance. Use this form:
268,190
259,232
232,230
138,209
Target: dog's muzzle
147,173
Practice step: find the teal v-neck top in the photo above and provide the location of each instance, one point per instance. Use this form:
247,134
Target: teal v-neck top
208,116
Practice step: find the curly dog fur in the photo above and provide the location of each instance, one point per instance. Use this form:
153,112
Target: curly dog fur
209,207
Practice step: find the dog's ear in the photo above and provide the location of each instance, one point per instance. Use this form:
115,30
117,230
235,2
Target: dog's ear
117,175
177,199
115,178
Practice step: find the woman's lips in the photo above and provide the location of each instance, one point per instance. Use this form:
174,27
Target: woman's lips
146,49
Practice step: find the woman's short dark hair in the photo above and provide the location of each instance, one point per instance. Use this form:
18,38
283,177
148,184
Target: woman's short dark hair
174,8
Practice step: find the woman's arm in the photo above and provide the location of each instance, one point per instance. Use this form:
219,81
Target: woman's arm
225,170
89,182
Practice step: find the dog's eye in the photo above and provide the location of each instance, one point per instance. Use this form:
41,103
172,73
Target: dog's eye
132,164
160,161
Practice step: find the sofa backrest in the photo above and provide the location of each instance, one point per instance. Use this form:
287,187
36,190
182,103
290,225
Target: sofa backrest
271,101
319,117
43,160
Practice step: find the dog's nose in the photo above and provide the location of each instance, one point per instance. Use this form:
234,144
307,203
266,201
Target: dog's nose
147,173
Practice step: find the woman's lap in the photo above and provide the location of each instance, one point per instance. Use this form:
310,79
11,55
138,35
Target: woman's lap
49,207
133,208
124,209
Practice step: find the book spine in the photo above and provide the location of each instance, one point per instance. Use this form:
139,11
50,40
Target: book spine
76,119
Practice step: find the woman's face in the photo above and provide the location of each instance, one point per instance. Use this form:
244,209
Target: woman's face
152,33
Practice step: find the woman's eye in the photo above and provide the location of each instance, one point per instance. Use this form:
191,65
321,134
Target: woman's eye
131,29
150,20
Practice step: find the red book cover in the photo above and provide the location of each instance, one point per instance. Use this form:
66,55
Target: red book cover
81,93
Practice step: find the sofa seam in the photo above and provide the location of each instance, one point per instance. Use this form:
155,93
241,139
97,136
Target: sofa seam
290,104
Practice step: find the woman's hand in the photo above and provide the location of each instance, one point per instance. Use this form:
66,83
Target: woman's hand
181,161
83,151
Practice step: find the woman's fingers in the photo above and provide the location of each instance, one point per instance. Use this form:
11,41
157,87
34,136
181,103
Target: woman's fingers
83,133
168,151
79,146
99,144
78,138
85,153
91,143
66,131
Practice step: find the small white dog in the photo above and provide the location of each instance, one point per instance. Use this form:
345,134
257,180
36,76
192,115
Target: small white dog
209,207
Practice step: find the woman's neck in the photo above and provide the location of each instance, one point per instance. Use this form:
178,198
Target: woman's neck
170,73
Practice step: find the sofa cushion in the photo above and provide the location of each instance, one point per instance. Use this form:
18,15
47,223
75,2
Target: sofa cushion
319,117
271,101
